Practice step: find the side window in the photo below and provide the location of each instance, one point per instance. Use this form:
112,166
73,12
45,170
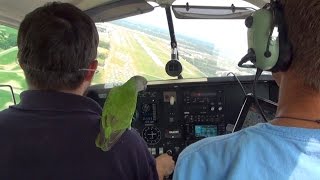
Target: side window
10,72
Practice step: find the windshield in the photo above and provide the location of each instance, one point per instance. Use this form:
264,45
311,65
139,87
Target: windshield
140,45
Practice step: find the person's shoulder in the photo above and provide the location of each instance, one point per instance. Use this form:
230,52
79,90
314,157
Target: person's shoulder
133,135
214,153
134,151
221,143
6,115
131,138
5,112
208,143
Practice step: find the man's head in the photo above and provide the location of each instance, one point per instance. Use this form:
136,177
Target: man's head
56,43
303,22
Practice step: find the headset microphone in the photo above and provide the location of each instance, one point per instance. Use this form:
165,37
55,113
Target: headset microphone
268,54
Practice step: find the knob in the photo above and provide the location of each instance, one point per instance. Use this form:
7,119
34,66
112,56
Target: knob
220,108
169,152
249,21
172,100
177,149
213,108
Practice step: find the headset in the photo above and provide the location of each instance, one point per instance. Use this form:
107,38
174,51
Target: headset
268,43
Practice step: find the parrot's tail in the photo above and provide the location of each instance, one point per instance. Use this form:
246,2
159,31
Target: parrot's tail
106,144
114,139
101,139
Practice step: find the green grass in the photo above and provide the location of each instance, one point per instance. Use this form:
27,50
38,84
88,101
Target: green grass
9,77
162,50
8,30
124,57
6,98
142,61
8,56
126,51
13,77
8,37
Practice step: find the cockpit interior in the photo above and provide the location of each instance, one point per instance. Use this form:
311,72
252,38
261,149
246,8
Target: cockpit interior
188,50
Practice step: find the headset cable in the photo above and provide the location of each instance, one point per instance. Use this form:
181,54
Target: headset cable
241,85
256,78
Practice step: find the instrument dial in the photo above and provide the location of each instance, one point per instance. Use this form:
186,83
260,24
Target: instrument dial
145,108
151,135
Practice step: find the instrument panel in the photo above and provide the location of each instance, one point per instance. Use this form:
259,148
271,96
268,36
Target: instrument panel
170,115
171,119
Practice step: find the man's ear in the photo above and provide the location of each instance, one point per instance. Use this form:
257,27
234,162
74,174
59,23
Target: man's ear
93,67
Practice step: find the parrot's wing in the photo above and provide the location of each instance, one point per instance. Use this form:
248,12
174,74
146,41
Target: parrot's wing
117,114
114,138
100,140
106,143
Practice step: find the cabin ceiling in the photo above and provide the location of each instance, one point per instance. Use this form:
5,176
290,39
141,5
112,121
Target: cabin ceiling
13,11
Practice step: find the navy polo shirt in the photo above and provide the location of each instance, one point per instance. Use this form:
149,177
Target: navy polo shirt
51,135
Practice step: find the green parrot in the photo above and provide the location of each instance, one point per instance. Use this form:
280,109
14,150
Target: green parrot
118,111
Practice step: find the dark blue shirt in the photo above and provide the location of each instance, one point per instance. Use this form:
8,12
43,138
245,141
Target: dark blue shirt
51,135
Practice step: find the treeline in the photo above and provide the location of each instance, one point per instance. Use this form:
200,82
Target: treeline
8,37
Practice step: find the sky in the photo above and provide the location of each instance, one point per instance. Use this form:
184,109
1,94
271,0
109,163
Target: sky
225,34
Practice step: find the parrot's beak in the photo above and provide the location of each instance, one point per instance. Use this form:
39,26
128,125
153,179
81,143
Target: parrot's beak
141,83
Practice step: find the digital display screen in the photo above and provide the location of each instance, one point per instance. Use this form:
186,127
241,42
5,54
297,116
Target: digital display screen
205,130
254,116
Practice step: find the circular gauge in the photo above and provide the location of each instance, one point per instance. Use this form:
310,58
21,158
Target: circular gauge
151,135
145,108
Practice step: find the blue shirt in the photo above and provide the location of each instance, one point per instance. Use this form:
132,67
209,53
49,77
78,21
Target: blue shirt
263,151
51,135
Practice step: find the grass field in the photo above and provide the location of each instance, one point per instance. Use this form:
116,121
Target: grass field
10,72
123,52
9,56
135,53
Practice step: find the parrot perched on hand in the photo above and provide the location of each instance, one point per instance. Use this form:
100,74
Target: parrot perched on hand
118,111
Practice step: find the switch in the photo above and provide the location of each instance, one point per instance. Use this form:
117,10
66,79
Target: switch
169,152
153,151
160,150
172,100
229,128
177,149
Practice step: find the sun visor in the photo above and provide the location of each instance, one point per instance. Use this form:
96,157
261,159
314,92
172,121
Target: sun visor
211,12
118,10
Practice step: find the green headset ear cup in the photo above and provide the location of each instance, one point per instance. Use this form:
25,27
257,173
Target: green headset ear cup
258,36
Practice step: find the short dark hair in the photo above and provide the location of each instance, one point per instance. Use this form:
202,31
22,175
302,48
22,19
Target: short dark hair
54,42
303,20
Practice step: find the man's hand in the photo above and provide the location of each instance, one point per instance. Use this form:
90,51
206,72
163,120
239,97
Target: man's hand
165,165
